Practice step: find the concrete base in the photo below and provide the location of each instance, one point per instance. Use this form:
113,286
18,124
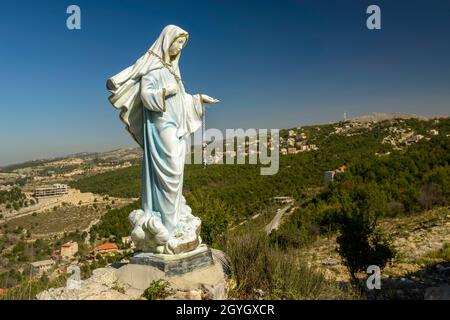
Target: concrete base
176,265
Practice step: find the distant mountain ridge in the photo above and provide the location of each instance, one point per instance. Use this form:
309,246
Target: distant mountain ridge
382,116
123,153
126,152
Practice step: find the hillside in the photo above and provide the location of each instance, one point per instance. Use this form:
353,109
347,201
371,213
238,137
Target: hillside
394,174
226,194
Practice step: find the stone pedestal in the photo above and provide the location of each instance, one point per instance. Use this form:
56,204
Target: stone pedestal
176,265
128,281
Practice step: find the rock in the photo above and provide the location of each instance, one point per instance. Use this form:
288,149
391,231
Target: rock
438,293
90,289
400,294
186,295
224,260
129,281
106,276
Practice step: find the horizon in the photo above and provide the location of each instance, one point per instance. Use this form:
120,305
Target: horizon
67,155
330,64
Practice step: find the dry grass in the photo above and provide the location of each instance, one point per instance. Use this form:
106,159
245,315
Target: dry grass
261,271
62,219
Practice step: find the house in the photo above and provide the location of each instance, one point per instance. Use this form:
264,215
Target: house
283,200
41,267
127,243
329,175
106,248
3,291
292,150
69,249
291,141
434,132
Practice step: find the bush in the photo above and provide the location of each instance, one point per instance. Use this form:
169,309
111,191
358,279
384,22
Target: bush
361,245
158,289
261,270
29,288
443,254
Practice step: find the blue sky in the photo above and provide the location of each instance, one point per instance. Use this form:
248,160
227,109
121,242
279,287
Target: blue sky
273,64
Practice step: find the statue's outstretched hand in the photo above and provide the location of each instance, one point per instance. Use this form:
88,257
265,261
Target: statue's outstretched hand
209,100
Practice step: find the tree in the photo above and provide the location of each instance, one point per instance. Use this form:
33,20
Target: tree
430,195
361,244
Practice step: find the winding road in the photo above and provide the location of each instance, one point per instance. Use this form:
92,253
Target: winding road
275,223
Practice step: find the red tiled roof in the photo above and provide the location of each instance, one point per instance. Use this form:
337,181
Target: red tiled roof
66,245
106,246
3,291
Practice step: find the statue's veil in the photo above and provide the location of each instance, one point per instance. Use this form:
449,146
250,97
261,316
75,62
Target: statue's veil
125,86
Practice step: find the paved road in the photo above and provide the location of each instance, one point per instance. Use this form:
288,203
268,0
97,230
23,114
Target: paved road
275,223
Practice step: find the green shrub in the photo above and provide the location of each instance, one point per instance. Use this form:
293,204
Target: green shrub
443,254
362,245
158,289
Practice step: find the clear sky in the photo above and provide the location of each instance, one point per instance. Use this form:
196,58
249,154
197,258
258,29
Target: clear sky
273,64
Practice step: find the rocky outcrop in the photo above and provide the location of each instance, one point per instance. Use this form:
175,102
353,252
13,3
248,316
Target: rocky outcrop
102,285
129,281
438,293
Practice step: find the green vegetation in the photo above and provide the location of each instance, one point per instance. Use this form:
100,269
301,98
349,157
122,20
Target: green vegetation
114,224
443,254
158,289
264,271
361,245
13,198
397,183
28,252
123,183
29,288
432,258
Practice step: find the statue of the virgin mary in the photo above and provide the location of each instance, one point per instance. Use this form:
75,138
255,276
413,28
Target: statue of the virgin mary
160,115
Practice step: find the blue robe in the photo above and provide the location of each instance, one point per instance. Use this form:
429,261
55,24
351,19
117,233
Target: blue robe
168,122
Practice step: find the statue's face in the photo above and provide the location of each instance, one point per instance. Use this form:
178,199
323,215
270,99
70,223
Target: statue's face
177,45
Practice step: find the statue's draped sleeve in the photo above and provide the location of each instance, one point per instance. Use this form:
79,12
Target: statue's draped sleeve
194,113
153,96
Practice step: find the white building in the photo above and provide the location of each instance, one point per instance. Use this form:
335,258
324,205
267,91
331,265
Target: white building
40,267
328,176
51,191
434,132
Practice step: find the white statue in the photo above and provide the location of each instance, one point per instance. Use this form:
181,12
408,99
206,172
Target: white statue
160,115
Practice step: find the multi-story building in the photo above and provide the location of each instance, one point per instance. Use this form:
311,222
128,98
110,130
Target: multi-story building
51,191
40,267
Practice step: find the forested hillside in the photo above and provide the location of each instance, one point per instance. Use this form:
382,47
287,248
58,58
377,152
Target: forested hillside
397,181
